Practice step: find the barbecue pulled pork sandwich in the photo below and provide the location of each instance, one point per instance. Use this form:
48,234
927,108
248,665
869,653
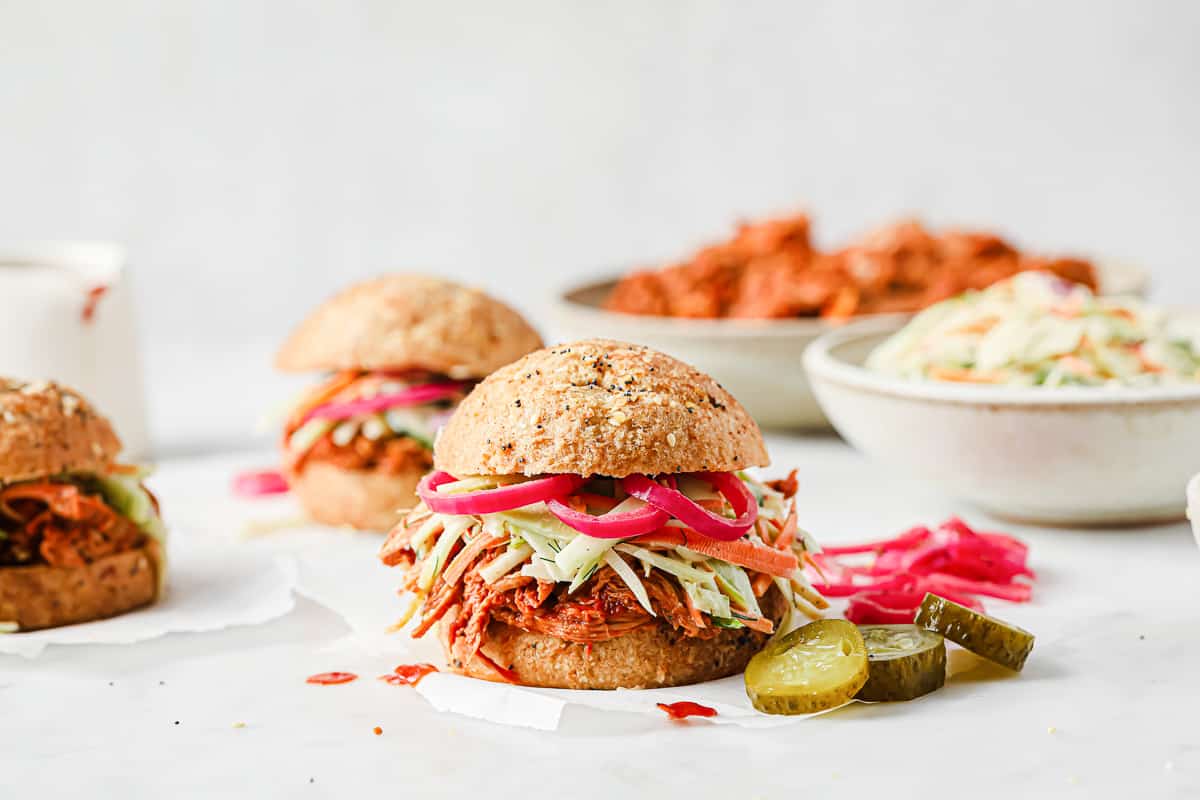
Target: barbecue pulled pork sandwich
80,537
402,351
589,526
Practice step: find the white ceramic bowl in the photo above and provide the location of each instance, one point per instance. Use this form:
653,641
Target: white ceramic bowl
1080,455
757,360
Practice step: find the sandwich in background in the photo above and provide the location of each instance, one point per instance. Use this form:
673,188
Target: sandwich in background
401,352
80,536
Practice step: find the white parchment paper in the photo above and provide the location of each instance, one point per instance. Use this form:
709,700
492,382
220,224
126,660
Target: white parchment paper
364,595
211,584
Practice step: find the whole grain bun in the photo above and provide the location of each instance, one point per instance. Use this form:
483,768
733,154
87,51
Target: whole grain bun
47,429
409,322
47,597
649,657
598,407
362,499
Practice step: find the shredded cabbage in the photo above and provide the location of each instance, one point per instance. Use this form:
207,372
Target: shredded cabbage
126,494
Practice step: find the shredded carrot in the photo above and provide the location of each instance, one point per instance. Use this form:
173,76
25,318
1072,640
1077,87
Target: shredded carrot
760,583
788,534
964,375
697,614
760,624
590,500
742,552
321,394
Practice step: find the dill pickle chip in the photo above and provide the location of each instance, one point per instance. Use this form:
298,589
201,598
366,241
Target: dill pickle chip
984,636
905,662
814,668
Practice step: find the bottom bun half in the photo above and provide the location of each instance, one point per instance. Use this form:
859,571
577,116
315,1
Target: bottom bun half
650,657
366,500
46,597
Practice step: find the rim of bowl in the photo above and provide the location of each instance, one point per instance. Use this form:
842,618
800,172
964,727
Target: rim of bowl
822,362
1124,279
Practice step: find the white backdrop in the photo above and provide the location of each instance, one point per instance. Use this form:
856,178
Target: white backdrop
256,155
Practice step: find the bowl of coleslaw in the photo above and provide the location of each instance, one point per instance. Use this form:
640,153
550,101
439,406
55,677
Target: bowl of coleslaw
1034,399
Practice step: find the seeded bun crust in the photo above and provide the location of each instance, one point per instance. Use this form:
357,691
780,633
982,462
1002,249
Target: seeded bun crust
650,657
409,322
366,500
47,429
46,597
598,407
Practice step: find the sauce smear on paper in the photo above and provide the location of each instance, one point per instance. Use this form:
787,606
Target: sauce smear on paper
331,678
408,674
685,708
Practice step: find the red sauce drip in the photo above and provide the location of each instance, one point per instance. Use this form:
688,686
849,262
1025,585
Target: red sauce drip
91,300
331,678
408,674
686,708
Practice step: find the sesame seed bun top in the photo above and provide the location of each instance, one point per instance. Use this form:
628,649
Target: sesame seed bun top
409,322
47,429
598,407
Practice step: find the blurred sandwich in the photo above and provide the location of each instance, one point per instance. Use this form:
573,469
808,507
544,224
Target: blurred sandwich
80,536
400,352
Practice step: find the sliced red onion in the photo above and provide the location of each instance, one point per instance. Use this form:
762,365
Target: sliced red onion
621,525
259,482
412,396
489,501
701,520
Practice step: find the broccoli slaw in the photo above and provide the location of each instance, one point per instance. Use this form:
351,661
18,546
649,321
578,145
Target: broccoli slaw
1038,330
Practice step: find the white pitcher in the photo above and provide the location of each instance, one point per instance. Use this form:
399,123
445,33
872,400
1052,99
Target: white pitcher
66,314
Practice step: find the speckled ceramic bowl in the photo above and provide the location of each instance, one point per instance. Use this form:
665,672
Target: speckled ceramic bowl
1080,455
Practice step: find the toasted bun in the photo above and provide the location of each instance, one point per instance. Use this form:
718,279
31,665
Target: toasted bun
47,597
409,322
47,429
598,407
650,657
366,500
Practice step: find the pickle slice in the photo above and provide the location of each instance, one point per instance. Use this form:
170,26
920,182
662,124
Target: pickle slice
905,662
985,636
814,668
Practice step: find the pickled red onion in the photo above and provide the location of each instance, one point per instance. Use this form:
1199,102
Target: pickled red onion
412,396
951,560
610,526
259,482
701,520
489,501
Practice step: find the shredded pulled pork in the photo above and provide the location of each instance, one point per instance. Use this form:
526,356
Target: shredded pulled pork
390,455
59,524
772,270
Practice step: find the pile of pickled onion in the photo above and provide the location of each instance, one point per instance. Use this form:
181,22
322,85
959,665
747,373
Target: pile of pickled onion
951,560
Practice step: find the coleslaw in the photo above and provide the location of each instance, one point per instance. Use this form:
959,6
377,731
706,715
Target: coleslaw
1037,330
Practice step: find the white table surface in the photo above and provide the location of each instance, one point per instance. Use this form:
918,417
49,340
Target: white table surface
1107,706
